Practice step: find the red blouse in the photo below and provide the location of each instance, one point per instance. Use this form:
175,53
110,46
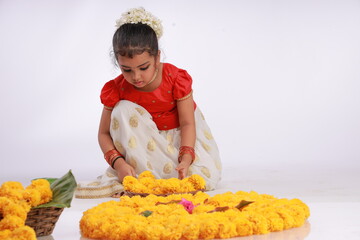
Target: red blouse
160,103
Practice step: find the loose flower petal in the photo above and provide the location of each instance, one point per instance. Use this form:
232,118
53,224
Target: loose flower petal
188,205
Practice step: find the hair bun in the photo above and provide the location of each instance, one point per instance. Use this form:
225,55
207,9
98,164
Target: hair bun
140,15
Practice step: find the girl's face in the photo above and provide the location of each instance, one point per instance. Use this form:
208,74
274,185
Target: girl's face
140,69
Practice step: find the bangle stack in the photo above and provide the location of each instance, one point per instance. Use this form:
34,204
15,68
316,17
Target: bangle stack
112,156
186,150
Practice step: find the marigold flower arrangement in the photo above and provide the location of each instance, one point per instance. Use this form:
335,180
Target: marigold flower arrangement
18,206
146,183
192,216
15,202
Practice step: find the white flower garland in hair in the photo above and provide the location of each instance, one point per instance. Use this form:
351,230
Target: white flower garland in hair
139,15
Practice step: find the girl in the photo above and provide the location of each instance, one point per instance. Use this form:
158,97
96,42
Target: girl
150,120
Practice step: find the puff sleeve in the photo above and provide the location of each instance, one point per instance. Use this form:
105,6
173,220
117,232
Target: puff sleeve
182,85
109,94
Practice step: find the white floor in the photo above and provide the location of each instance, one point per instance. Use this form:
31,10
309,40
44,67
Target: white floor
333,195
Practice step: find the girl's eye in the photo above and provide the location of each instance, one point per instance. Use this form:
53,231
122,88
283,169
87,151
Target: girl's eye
144,68
127,70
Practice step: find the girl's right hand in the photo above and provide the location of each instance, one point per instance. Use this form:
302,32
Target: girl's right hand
123,169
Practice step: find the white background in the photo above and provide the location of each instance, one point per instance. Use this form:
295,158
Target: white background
278,81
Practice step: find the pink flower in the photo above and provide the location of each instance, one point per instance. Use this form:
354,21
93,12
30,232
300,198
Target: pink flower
188,205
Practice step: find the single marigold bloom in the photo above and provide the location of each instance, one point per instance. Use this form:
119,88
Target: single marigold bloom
13,190
43,187
146,174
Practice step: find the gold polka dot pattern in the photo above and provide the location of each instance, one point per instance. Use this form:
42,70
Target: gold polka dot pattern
208,135
206,146
218,164
151,146
168,168
169,137
133,162
132,142
149,165
206,172
170,149
134,121
115,124
140,110
119,147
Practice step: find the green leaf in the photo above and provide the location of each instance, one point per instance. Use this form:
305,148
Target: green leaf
63,190
146,213
51,180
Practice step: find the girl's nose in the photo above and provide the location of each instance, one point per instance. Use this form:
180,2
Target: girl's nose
136,75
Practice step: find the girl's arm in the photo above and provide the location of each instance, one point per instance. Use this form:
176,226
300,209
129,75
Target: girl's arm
106,144
188,133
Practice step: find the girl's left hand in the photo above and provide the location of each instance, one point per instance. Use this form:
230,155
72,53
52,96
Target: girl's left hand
183,166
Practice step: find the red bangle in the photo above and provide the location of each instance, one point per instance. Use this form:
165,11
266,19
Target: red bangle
186,150
111,155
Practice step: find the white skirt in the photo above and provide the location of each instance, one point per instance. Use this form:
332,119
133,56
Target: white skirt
136,136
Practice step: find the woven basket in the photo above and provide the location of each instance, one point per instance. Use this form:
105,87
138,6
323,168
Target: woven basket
43,220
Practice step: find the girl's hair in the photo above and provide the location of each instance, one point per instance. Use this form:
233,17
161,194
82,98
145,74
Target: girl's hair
134,38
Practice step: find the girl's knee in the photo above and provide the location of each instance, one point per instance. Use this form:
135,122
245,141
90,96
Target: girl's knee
123,104
128,107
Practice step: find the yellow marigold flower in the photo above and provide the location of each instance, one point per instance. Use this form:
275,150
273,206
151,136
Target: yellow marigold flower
11,222
146,183
243,226
19,209
128,182
120,230
208,228
23,233
186,186
203,208
171,185
43,187
197,181
13,213
227,230
32,196
13,190
146,174
12,185
4,234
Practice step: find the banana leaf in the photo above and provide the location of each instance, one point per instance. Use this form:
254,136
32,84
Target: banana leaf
63,191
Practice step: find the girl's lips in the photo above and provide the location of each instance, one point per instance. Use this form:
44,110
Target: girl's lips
138,83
